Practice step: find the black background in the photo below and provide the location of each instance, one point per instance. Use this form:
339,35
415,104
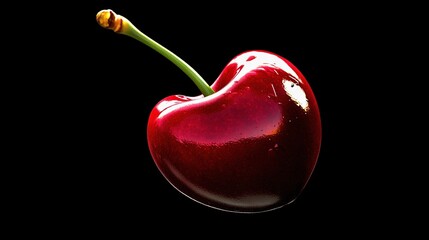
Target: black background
346,194
106,84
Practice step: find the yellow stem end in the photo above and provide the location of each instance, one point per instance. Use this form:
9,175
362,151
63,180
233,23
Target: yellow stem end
109,20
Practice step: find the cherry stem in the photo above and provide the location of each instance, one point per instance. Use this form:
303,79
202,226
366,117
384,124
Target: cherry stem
119,24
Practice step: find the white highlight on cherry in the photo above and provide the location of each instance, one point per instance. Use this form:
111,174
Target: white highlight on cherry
296,93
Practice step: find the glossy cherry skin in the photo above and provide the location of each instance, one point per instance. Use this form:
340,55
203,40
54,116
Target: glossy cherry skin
249,147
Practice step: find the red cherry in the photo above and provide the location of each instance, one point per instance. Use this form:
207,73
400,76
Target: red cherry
248,143
250,146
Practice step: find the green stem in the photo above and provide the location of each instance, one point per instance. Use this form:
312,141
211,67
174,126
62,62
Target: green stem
119,24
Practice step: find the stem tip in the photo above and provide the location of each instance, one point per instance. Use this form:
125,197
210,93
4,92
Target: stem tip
110,20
